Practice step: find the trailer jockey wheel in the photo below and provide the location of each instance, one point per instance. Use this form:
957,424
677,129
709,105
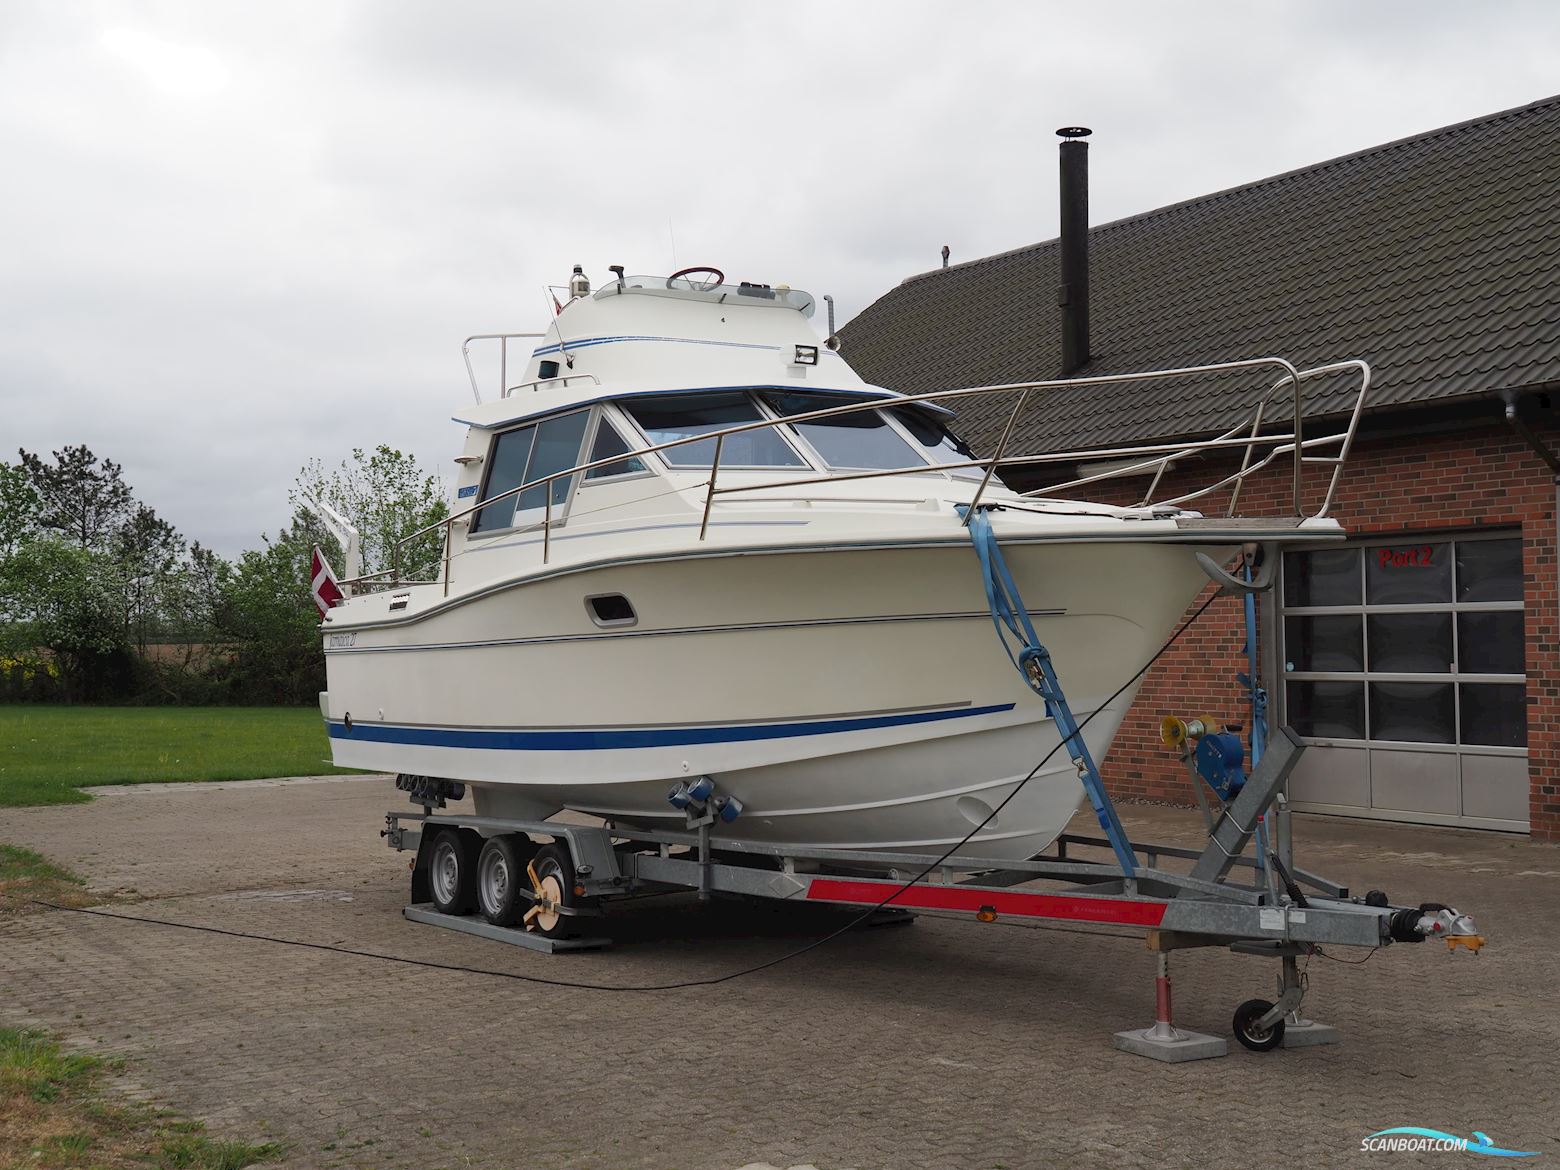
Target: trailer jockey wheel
1247,1032
452,870
552,882
501,876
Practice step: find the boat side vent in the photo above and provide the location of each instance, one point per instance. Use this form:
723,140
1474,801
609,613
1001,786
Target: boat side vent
610,609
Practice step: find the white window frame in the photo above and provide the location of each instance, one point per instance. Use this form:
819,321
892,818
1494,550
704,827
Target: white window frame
560,510
1364,609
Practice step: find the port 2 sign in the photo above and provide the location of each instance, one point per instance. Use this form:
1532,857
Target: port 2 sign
1417,557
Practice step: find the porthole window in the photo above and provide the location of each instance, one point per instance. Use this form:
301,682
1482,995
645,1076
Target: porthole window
611,609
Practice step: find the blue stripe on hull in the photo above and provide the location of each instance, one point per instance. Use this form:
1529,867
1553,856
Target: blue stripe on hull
597,739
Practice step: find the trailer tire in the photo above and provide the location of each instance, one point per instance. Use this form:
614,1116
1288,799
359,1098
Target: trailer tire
452,870
501,876
1246,1031
554,869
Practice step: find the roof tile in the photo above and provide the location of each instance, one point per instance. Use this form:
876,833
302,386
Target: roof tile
1435,258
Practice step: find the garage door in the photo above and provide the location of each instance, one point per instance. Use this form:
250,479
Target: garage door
1404,668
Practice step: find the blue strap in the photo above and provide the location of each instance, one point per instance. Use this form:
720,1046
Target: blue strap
1032,660
1249,679
1258,698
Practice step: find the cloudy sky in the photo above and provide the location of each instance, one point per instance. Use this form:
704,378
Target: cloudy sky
237,236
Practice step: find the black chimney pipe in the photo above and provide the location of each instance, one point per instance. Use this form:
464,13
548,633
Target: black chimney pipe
1073,295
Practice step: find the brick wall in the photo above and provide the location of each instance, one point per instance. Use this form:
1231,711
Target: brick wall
1482,477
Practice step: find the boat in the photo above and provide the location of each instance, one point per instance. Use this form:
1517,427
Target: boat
689,541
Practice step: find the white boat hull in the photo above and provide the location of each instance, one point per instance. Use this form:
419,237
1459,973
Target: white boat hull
849,697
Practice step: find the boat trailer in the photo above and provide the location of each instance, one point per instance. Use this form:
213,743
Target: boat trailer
544,896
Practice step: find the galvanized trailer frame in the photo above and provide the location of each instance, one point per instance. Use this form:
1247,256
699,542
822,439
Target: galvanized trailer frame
1273,916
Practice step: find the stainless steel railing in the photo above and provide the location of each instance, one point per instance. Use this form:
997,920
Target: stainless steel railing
503,340
1258,450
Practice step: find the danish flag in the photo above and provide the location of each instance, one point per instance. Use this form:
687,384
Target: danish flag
322,583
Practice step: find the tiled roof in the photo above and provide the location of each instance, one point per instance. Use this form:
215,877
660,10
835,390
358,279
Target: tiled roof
1436,259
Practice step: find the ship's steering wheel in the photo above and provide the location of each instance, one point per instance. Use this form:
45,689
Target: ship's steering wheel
714,278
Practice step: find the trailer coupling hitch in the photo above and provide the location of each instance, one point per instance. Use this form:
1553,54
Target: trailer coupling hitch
1433,920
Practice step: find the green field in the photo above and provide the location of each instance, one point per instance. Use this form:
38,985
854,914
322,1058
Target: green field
48,753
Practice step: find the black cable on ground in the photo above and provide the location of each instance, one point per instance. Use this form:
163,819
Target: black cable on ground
713,979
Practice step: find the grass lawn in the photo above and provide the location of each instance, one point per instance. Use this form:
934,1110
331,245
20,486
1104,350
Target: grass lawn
27,877
48,753
55,1114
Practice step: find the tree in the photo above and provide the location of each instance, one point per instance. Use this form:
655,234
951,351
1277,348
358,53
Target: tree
67,600
194,663
146,549
267,615
387,496
18,508
79,499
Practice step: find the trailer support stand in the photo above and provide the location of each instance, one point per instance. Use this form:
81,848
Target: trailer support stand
1164,1041
1300,1032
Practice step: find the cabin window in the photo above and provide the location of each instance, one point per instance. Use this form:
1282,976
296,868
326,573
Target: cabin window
609,443
681,416
940,444
505,471
611,609
525,455
863,439
557,448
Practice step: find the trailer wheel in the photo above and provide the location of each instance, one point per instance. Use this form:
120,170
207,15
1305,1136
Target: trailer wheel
1247,1032
452,870
552,879
501,876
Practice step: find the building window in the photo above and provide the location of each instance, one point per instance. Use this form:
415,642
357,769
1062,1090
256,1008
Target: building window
1407,642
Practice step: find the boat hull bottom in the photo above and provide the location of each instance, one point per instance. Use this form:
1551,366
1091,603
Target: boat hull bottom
923,796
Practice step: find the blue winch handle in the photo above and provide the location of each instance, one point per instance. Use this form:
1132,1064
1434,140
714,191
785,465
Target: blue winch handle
1033,662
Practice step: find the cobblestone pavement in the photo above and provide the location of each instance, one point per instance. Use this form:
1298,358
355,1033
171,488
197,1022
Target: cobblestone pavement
940,1044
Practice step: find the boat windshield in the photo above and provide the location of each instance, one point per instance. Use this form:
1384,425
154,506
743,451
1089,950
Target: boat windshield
679,416
860,440
693,289
939,444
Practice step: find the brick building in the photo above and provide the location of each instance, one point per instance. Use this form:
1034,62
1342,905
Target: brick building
1419,659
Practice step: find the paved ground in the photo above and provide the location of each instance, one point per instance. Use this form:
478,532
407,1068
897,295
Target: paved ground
941,1044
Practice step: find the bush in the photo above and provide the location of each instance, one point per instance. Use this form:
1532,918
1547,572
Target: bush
29,678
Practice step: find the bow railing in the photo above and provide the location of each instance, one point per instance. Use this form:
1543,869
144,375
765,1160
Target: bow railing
1258,450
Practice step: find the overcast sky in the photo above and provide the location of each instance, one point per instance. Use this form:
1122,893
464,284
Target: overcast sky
237,236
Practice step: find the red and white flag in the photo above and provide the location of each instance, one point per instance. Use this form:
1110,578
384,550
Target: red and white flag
322,582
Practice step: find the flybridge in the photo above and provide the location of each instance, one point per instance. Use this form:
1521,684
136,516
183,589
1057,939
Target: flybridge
709,285
687,331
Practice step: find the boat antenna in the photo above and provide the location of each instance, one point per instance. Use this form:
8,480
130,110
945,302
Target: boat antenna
568,358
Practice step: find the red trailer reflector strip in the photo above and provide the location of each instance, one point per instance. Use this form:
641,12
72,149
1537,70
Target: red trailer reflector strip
1016,902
